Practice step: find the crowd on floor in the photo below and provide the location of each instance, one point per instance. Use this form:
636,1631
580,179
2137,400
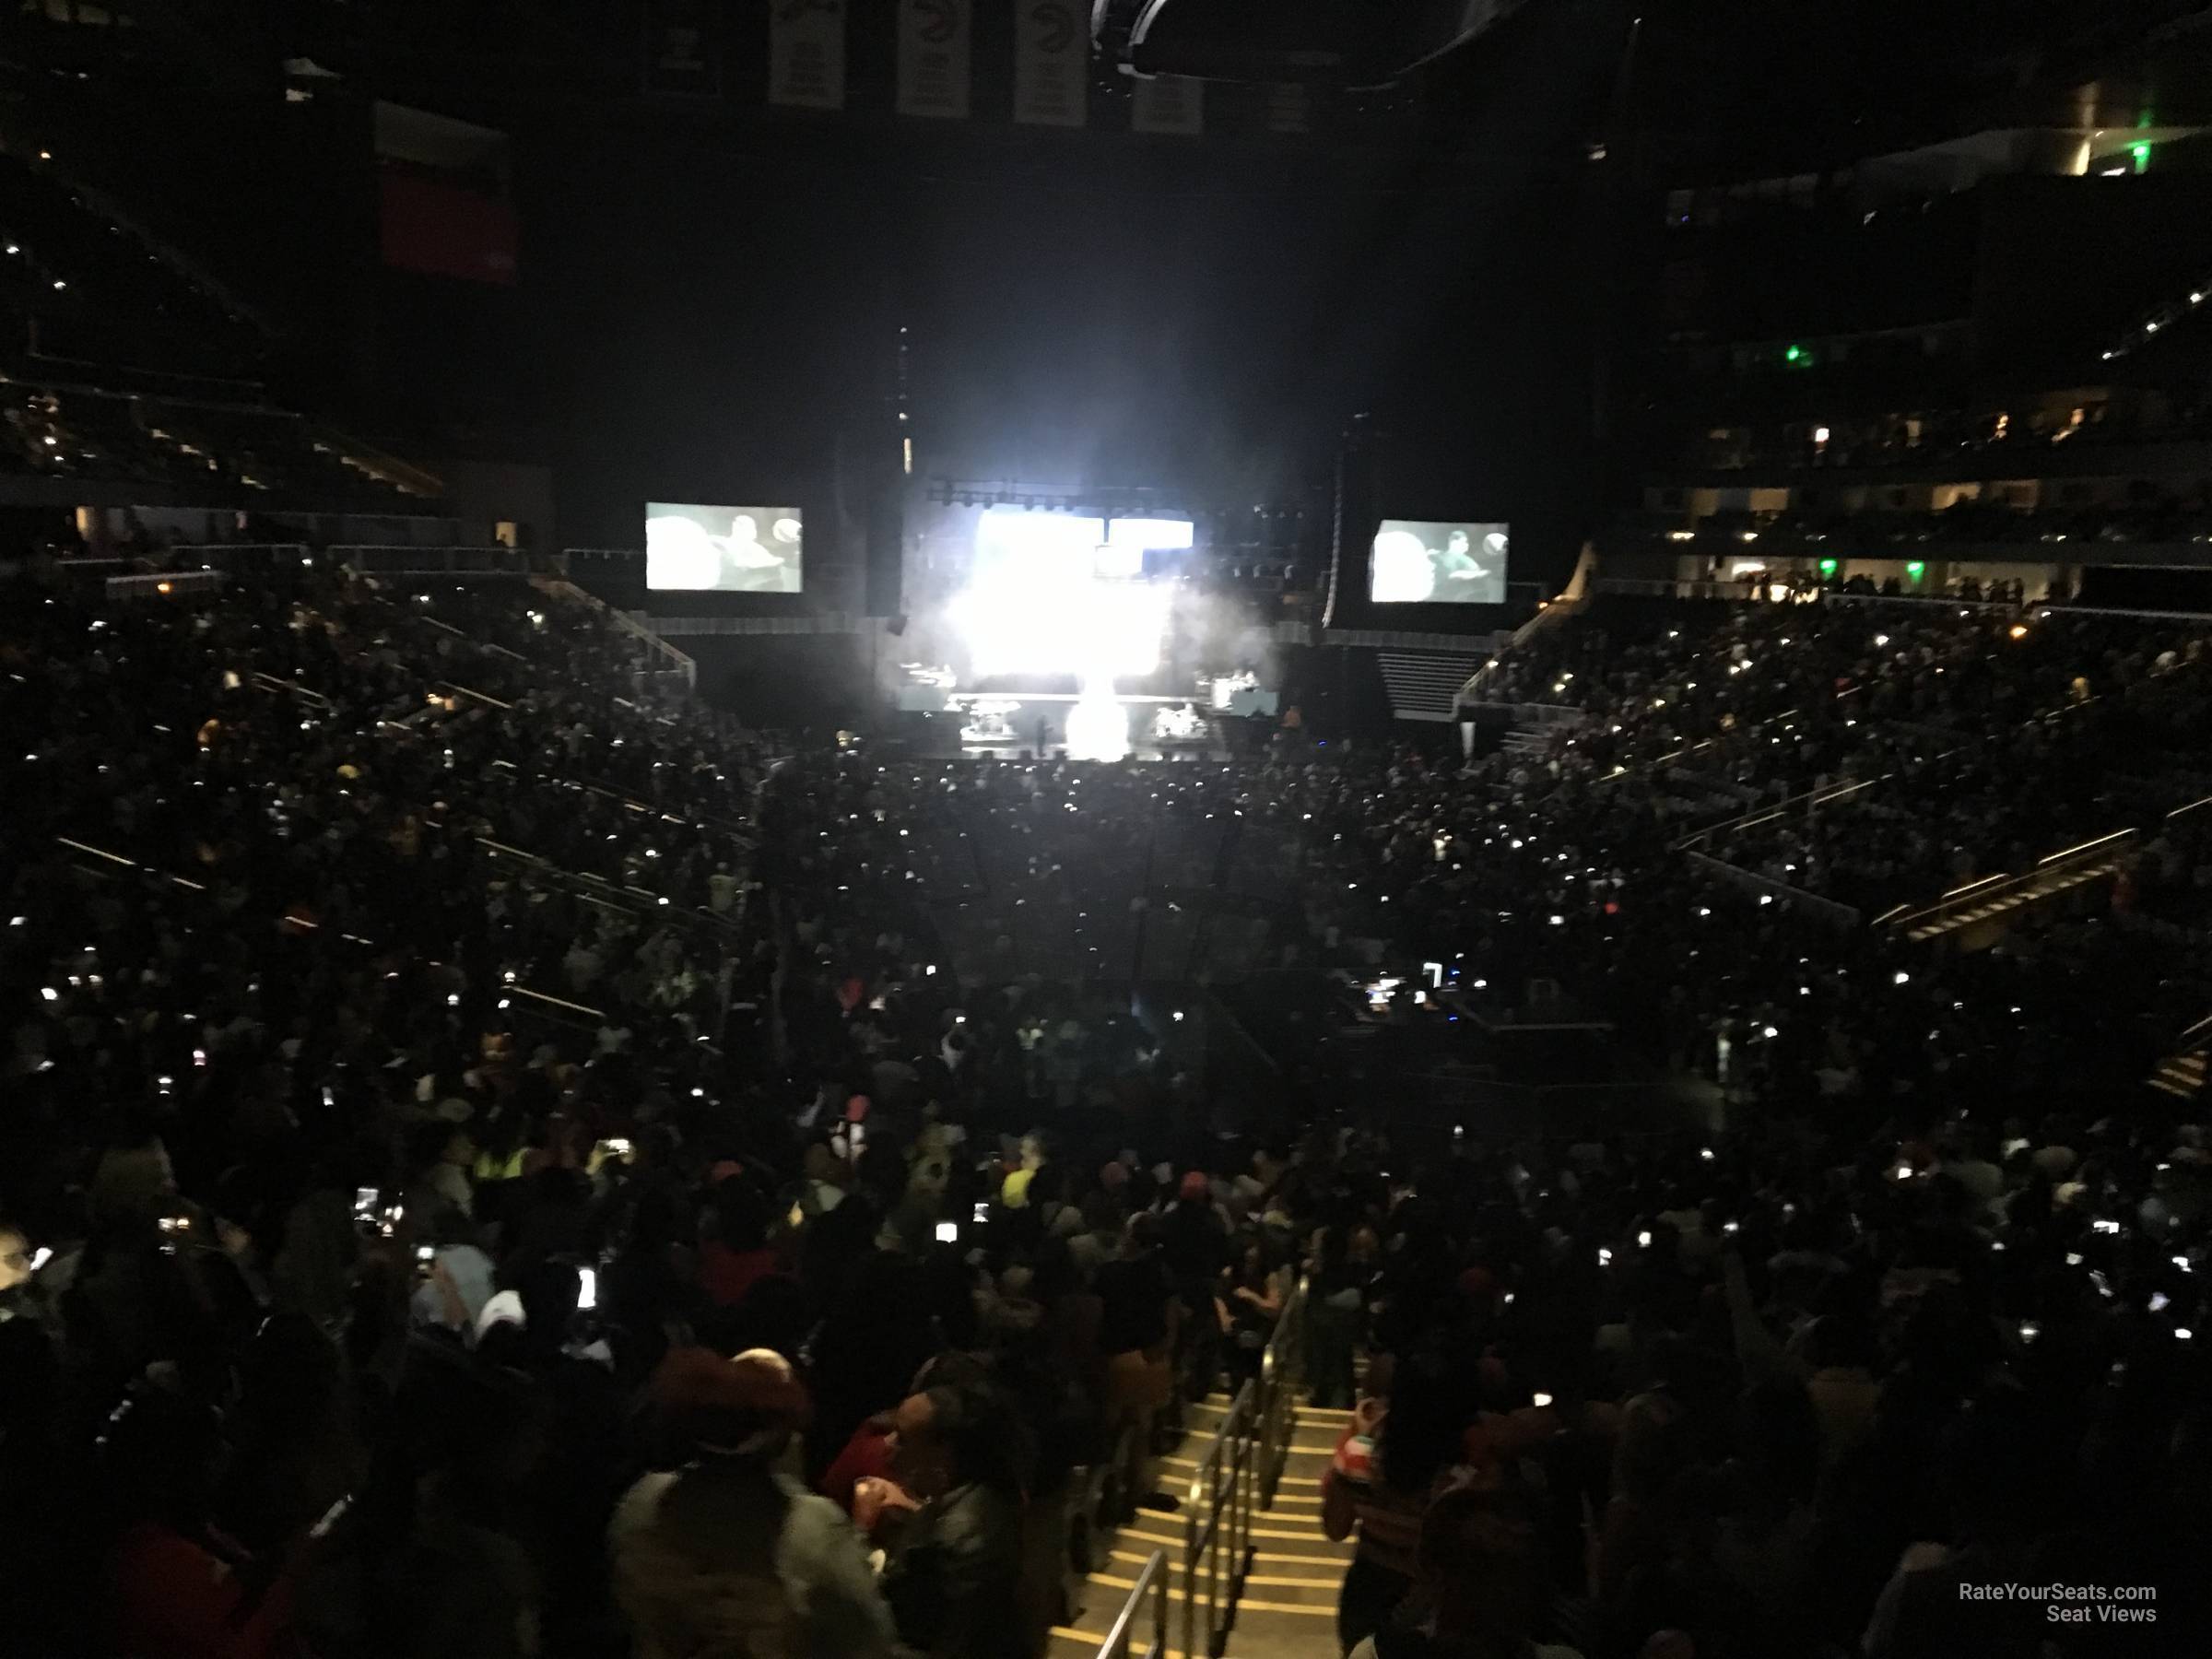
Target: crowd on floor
502,1161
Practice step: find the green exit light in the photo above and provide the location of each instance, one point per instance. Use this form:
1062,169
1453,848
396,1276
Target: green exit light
1827,566
1796,354
1915,570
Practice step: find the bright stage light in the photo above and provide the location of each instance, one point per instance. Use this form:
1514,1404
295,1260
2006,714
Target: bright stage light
1128,540
1150,534
1097,726
1036,605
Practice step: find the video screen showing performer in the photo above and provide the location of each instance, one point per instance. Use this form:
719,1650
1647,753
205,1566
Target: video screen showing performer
694,549
1419,563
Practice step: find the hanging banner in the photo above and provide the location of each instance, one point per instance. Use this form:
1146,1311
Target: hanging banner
682,54
932,58
806,53
1169,103
1052,63
1290,107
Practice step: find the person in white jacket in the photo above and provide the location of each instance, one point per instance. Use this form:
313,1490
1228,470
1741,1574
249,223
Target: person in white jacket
729,1557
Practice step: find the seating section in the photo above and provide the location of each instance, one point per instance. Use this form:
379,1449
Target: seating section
97,290
125,366
450,1066
191,450
2164,516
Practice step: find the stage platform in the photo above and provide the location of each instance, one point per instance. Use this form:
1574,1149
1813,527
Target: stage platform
1207,751
1037,723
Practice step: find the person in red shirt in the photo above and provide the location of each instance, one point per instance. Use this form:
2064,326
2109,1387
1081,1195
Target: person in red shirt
735,1255
867,1456
181,1589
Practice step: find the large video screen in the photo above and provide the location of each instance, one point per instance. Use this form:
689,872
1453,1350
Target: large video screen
1418,562
691,548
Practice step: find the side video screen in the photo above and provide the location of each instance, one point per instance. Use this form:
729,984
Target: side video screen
691,548
1420,562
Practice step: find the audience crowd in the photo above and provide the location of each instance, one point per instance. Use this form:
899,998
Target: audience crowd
1894,533
505,1161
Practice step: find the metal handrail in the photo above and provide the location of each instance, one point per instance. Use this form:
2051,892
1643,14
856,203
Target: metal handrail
1151,1583
240,557
2194,1036
677,662
1235,1478
164,584
1810,800
2005,883
152,873
1547,715
1216,1528
397,559
1282,1369
276,686
1827,909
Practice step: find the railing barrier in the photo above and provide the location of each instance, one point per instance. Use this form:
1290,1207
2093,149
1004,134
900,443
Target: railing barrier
1813,905
1235,1478
1151,1585
497,560
1282,1369
1216,1535
1810,802
158,586
2005,883
671,660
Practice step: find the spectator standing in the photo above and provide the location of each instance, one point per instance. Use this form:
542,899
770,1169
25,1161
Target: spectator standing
727,1556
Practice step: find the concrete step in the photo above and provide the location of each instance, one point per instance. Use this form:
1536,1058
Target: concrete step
1267,1589
1306,1548
1313,1429
1189,1465
2059,881
1288,1609
2182,1076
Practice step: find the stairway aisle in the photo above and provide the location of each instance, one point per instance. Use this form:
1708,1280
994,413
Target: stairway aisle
2009,897
2182,1076
1289,1608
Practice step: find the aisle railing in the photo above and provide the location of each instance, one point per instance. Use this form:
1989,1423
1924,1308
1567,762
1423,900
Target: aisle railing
1236,1477
2008,888
1808,802
1216,1528
1812,904
672,661
1282,1369
498,560
1151,1585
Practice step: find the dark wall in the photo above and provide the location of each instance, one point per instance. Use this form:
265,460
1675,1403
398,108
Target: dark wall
2067,265
717,307
813,683
711,296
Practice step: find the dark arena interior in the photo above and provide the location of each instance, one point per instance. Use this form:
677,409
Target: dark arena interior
979,830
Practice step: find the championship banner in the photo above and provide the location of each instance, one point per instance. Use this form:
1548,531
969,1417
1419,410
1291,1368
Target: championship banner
934,37
1052,63
806,53
682,55
1169,103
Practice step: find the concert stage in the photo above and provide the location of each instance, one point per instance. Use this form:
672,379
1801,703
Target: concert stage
1078,725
